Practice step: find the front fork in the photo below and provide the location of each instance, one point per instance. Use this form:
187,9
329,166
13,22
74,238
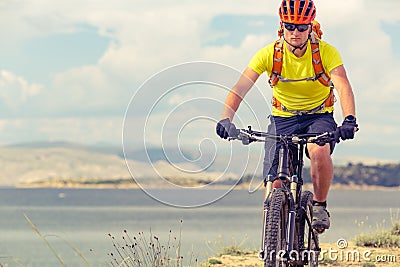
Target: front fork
291,226
290,229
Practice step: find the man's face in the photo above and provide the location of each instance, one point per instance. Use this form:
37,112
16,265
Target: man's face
296,34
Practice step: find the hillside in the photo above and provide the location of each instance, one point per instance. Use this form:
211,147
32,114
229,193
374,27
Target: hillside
27,163
386,175
359,174
64,163
20,165
380,174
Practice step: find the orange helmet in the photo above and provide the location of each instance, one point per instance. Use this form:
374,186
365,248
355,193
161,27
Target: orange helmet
297,11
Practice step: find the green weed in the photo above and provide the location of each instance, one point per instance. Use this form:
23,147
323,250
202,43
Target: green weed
381,238
214,261
368,264
219,247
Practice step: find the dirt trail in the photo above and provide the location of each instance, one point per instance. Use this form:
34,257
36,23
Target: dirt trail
333,256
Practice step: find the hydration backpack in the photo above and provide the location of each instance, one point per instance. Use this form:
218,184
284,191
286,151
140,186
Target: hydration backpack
320,73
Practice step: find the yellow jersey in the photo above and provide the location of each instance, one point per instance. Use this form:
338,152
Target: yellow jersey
299,95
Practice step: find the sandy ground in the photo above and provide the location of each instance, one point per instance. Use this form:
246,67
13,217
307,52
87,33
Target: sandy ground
334,256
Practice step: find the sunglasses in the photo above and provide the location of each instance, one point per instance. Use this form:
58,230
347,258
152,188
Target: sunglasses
300,27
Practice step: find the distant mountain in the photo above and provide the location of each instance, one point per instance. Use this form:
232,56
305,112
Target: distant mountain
32,162
29,162
104,149
387,175
22,164
360,174
152,154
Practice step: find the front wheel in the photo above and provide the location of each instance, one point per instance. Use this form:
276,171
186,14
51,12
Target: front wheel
275,230
307,236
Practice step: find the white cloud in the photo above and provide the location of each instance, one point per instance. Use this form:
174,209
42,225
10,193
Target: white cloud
85,86
147,37
15,91
89,130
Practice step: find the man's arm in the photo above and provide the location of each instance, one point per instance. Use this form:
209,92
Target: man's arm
343,87
345,92
238,92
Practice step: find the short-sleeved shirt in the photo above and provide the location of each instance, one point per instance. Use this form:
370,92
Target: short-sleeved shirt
300,95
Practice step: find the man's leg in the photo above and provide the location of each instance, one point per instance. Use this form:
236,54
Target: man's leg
321,170
322,174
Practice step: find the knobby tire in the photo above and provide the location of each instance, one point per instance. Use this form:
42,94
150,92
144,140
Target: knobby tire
275,230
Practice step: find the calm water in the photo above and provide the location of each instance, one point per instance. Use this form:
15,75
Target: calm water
84,218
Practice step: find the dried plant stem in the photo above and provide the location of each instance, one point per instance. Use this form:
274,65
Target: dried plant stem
143,250
34,228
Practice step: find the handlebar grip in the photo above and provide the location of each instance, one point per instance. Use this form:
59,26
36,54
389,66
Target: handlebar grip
233,132
336,134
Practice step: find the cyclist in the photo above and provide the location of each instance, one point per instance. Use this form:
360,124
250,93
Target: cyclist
302,98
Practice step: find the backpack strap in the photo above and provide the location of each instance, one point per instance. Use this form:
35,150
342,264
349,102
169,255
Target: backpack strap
319,70
277,62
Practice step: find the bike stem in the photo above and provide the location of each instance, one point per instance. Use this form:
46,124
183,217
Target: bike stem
283,171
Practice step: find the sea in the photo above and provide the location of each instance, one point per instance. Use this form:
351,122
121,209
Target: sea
83,227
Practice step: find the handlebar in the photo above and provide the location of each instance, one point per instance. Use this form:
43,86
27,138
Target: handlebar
248,136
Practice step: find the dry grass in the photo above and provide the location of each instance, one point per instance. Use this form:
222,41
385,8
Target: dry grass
148,250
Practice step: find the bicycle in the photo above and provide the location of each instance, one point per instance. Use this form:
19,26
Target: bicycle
288,238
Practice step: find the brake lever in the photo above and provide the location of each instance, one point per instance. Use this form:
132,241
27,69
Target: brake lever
234,134
326,137
245,140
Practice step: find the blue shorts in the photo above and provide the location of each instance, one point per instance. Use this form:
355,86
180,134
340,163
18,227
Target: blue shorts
300,124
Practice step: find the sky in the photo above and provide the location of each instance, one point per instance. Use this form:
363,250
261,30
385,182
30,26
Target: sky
156,73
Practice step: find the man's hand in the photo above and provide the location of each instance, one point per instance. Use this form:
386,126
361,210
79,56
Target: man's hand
225,128
348,128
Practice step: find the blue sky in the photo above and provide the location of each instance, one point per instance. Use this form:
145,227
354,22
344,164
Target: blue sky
69,68
39,57
237,27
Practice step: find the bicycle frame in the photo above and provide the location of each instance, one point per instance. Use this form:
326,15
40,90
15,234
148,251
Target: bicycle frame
290,175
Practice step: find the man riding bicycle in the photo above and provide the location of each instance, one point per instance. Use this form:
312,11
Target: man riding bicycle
303,71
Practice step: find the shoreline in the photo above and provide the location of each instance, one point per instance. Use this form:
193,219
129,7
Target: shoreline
73,185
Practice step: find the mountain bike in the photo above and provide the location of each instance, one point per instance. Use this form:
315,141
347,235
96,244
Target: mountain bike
288,238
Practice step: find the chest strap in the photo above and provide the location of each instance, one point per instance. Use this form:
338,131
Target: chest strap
329,102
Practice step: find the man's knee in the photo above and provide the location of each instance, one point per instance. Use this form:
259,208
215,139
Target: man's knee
317,152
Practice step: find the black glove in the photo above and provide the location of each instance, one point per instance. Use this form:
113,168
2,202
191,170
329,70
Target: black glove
226,129
348,128
336,135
